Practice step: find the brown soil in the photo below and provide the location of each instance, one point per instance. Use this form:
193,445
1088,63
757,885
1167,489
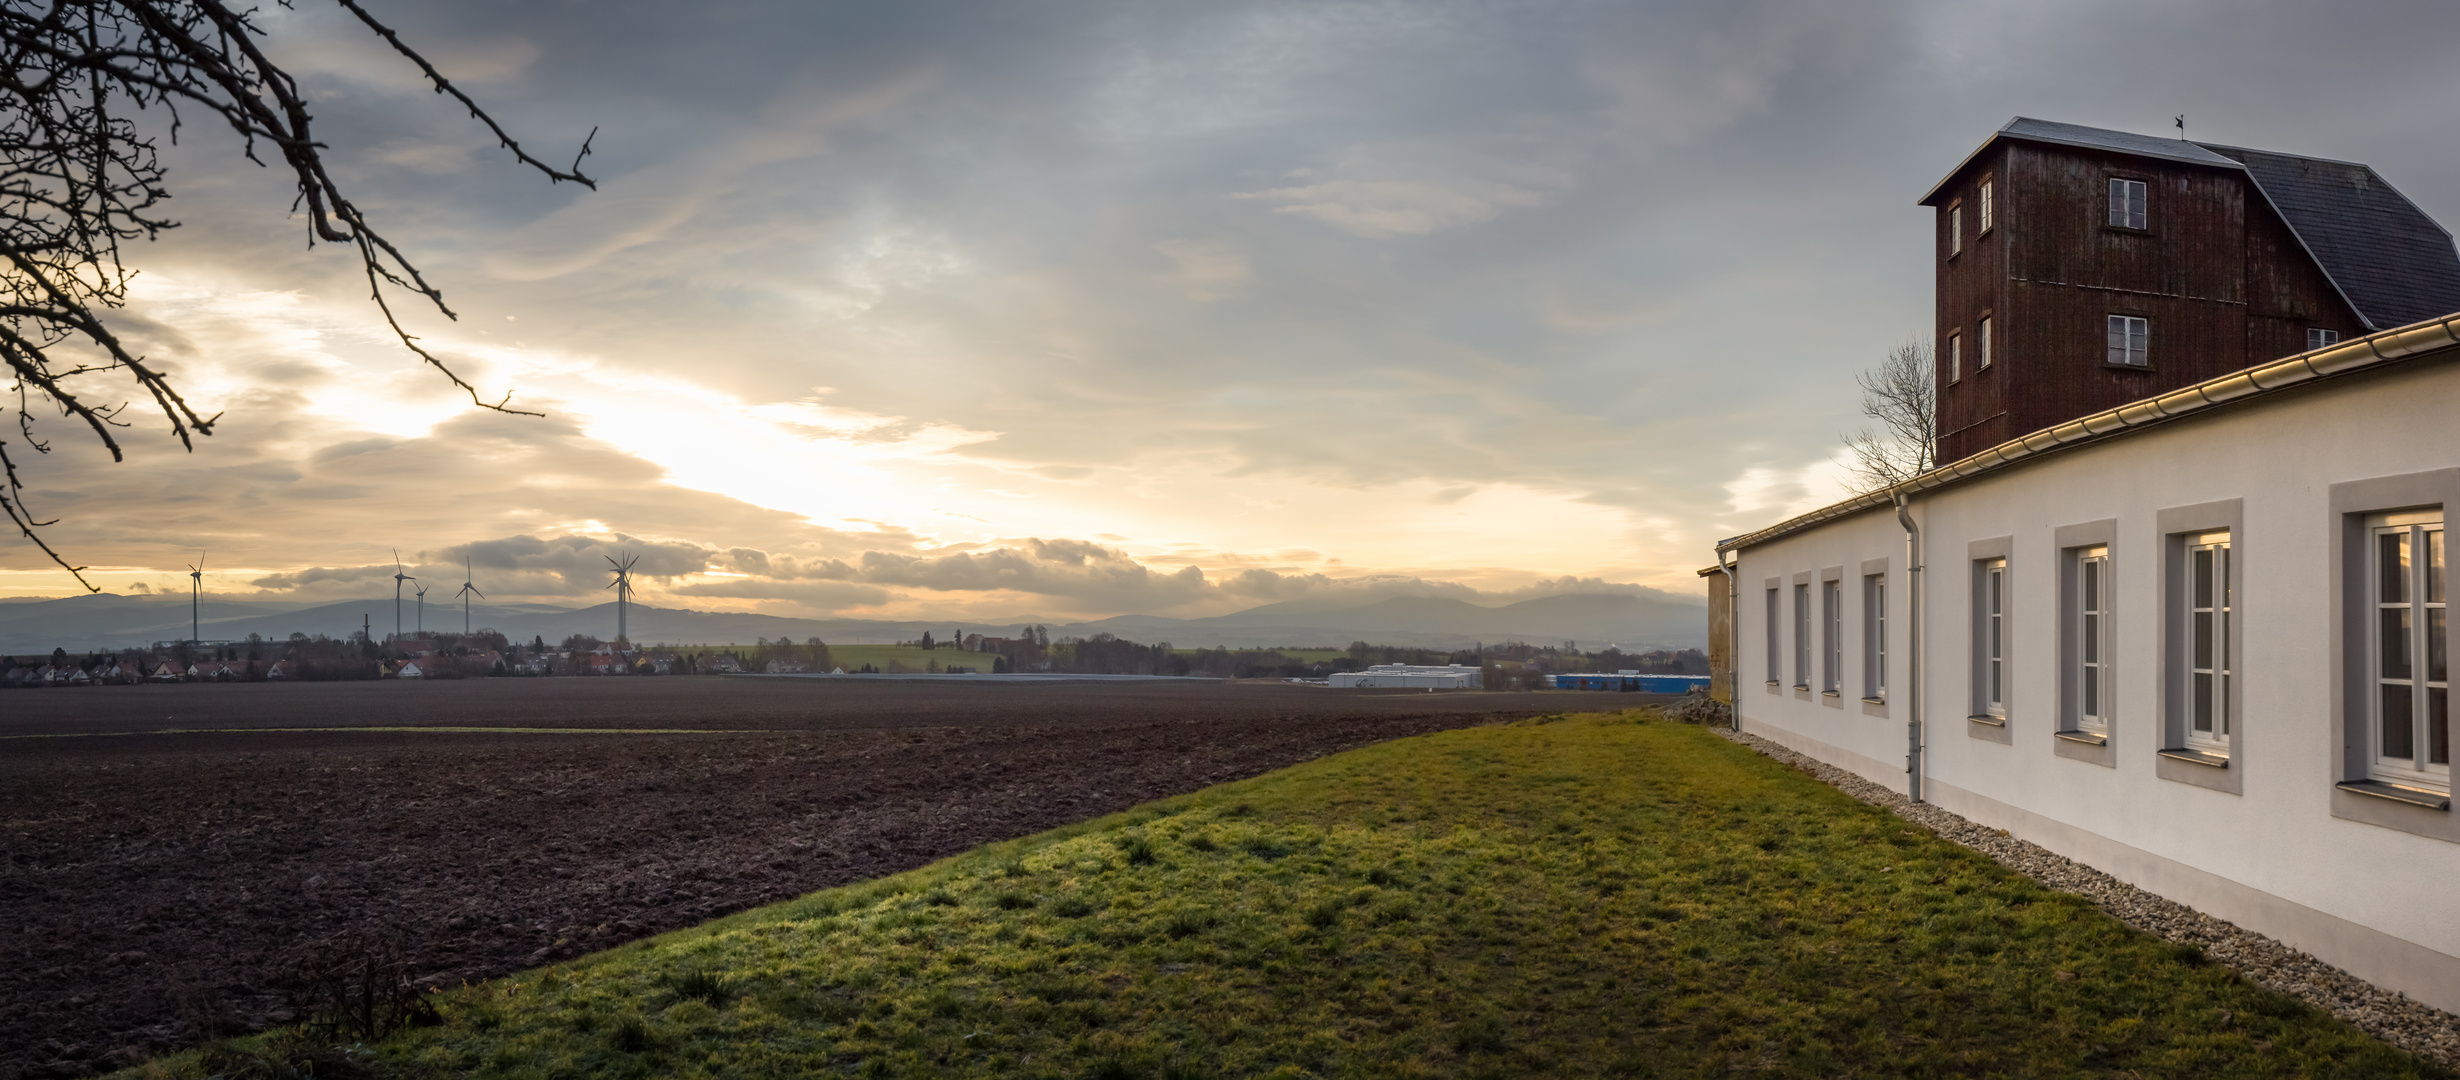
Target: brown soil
158,888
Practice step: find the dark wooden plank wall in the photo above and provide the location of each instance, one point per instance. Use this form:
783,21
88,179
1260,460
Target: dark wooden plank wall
2222,280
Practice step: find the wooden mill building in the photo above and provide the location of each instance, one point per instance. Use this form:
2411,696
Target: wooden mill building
2080,268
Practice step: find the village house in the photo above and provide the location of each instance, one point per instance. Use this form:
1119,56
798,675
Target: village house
2172,606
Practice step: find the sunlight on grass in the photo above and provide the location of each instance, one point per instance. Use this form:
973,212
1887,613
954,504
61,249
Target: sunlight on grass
1584,897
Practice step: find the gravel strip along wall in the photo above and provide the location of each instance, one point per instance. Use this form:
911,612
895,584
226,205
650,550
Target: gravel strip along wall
2420,1029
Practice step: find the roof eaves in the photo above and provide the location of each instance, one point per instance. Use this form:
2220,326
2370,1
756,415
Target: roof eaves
2374,350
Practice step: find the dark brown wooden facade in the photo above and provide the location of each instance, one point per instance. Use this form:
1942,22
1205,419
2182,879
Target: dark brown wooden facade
2221,278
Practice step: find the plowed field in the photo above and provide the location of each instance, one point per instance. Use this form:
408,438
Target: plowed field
164,868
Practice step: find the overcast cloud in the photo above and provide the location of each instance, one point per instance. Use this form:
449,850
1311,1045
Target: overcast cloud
1079,309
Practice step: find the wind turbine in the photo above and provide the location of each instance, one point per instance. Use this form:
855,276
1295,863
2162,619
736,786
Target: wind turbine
623,591
467,591
398,578
196,593
422,623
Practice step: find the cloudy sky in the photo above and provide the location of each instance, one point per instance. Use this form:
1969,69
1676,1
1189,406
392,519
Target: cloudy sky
1062,309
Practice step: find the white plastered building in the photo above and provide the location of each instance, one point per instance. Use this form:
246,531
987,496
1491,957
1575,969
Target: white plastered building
2196,641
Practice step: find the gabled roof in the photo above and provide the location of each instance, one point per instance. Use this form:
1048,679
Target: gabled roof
2393,263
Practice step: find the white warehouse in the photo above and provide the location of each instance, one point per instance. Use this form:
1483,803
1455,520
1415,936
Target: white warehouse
1413,677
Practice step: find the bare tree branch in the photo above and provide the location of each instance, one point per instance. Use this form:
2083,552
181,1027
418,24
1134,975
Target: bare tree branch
77,178
1901,393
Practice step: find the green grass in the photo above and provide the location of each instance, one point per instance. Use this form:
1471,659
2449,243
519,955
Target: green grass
915,658
1586,897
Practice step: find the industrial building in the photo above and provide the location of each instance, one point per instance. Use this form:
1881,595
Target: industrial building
1411,676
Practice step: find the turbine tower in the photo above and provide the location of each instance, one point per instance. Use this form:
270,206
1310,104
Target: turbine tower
623,591
422,623
196,593
398,578
467,591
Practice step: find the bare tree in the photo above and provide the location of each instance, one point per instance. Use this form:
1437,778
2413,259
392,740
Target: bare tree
82,177
1901,393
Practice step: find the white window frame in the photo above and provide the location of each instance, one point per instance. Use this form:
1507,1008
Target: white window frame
2319,338
1990,651
1956,357
1956,229
1802,636
2130,203
2130,342
1776,643
1832,663
1981,341
2414,593
2209,613
1982,208
2091,647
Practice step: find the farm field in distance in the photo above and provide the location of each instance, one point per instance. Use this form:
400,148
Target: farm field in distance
163,885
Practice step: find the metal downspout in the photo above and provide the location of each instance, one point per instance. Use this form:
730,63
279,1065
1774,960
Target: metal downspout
1913,650
1733,653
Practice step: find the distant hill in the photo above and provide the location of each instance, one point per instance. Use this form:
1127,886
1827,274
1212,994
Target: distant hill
1593,620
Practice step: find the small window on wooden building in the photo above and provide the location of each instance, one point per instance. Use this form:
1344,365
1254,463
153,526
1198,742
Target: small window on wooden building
1956,229
1981,208
2127,203
2130,340
2318,337
1956,357
1981,345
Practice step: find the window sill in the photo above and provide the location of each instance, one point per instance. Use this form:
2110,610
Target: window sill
2127,229
2198,757
1994,721
2108,366
1804,687
1830,693
1874,701
2431,800
2088,738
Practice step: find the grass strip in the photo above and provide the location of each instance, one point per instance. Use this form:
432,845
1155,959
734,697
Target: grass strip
1590,896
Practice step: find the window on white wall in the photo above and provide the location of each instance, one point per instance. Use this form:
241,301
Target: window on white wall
2127,203
2091,648
2409,648
2209,628
1990,642
1776,649
1802,637
1875,637
1832,662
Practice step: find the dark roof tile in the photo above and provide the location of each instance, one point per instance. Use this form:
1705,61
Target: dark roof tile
2395,264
